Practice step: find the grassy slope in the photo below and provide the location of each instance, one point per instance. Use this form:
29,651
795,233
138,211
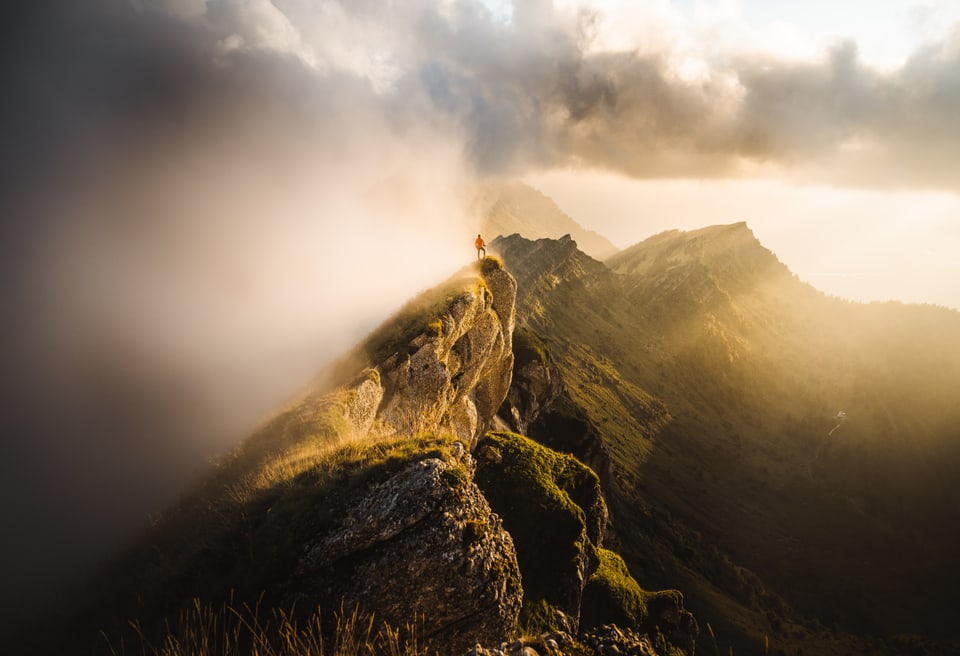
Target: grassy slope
244,511
553,508
733,485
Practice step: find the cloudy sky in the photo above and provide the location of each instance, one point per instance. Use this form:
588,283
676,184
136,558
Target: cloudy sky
838,132
204,200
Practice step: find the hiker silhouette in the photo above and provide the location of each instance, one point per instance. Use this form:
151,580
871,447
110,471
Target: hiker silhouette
480,246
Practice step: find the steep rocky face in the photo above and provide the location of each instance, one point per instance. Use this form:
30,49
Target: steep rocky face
424,544
406,537
536,406
535,385
553,507
450,376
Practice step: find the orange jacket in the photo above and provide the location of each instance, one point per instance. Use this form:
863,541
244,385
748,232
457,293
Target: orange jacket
479,243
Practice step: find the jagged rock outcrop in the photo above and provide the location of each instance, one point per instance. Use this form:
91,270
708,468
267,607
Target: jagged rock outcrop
553,507
536,382
420,546
450,375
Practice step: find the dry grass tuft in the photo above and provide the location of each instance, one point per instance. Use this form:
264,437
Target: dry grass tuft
225,630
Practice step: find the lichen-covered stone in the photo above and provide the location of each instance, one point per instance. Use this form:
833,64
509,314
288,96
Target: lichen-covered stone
424,546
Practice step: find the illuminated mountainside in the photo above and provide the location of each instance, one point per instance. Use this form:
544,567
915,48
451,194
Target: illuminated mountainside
694,420
382,492
712,378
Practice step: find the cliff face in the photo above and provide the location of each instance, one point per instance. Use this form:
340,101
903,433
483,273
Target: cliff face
419,541
553,507
451,377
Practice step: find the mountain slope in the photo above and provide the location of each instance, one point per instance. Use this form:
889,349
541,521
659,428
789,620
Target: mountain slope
513,207
352,497
729,480
379,499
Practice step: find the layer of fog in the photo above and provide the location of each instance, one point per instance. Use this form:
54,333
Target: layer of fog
191,231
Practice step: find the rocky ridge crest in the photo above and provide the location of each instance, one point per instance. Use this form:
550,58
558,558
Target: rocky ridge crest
450,378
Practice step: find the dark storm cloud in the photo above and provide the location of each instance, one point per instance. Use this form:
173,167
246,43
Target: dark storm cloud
834,121
861,127
533,93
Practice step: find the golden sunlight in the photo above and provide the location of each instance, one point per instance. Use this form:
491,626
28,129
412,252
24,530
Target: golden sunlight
860,244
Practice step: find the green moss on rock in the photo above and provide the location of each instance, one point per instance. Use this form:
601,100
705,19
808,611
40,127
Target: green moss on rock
552,506
612,595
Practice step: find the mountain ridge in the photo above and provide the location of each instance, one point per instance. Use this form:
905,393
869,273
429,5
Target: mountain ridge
508,207
744,357
684,402
382,493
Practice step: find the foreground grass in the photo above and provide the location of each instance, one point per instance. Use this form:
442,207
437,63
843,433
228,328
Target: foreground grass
228,545
226,630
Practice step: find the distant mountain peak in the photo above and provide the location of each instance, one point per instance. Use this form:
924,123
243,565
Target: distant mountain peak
514,207
545,259
731,253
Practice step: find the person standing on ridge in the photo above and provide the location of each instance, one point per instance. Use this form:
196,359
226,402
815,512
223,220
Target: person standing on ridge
480,246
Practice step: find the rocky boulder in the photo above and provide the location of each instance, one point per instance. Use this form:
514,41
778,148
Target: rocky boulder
420,547
553,507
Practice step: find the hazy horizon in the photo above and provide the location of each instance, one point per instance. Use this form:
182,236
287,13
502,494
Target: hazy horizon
895,246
